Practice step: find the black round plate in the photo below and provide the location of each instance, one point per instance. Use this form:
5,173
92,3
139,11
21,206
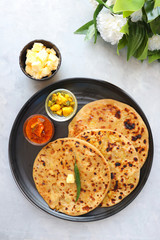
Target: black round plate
22,153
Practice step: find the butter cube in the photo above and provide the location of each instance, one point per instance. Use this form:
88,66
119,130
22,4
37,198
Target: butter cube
30,57
53,51
51,65
70,178
50,50
53,61
29,70
42,55
45,72
37,66
52,57
37,47
38,75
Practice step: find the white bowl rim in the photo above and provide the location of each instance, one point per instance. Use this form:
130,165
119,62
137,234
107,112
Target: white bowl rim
55,116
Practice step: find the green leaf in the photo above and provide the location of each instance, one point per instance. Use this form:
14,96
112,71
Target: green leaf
100,1
96,12
128,5
104,3
137,33
154,57
151,12
157,3
125,29
127,13
144,54
142,51
122,43
155,26
77,178
90,28
150,53
144,16
84,28
90,33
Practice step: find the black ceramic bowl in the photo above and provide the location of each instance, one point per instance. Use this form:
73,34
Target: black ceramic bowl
22,58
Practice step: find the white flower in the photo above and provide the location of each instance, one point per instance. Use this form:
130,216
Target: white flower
154,43
136,16
109,26
110,2
94,3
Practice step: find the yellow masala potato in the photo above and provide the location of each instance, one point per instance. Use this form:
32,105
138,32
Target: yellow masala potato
61,104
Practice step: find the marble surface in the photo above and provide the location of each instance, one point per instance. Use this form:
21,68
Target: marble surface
22,21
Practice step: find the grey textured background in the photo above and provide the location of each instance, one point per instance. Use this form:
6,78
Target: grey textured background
22,21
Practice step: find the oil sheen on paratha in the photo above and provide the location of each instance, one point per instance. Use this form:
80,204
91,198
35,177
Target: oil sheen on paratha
114,115
123,161
52,166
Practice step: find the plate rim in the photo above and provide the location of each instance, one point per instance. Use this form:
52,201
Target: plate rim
81,218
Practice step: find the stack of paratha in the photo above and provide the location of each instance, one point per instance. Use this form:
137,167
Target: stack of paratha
109,141
116,116
120,134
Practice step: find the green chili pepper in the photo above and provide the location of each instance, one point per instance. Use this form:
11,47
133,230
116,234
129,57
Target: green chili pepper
77,178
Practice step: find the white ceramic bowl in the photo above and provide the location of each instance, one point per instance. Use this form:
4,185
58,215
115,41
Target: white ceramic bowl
55,116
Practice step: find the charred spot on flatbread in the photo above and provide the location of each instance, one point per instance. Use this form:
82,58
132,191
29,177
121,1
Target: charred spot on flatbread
123,161
52,166
116,116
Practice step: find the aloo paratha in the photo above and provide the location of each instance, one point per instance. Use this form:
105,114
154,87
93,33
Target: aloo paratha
114,115
123,161
52,166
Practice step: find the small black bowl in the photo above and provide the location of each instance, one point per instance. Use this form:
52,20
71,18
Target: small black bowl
22,58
